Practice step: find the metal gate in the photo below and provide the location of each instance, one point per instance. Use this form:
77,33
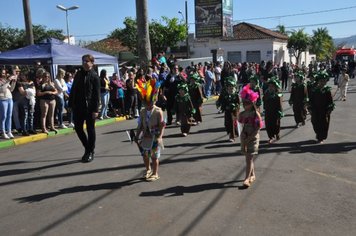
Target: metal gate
234,57
253,56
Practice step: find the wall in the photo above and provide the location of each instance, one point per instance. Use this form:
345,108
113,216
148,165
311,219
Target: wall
269,49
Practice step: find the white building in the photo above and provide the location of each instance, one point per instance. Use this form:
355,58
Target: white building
251,43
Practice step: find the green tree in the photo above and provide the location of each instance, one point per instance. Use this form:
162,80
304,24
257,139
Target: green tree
282,29
298,42
127,35
163,34
321,44
13,38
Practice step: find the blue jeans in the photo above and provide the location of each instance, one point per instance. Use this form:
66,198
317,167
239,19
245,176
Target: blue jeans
208,86
104,104
6,107
27,115
59,109
69,112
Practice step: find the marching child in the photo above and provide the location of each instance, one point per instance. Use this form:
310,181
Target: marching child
254,85
251,122
229,103
320,106
150,128
272,102
299,98
184,107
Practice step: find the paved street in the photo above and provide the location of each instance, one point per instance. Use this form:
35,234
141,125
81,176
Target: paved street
302,188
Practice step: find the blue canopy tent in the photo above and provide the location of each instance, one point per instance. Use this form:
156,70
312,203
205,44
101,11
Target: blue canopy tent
54,52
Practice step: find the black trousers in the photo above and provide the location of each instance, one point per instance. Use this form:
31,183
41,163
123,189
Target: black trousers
88,140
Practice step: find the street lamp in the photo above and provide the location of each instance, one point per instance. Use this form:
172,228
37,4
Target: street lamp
186,25
66,10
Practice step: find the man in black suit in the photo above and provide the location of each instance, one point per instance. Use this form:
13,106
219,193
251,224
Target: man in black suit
84,101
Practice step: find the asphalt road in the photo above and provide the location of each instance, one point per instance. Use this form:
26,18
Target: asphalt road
302,188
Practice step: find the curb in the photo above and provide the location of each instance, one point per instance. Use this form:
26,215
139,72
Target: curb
38,137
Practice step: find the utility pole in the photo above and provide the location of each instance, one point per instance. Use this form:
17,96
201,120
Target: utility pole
28,22
144,46
186,25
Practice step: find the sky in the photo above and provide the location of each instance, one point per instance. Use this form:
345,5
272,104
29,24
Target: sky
95,19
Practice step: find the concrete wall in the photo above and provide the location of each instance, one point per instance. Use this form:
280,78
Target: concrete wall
268,50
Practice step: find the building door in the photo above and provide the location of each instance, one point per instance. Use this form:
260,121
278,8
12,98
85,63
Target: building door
234,57
253,56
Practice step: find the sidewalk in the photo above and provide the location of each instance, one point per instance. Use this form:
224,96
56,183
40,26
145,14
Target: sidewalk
40,136
19,140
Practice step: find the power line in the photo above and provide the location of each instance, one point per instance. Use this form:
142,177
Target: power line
318,24
298,14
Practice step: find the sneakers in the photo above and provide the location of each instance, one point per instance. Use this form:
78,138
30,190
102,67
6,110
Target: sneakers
9,134
62,126
5,136
71,125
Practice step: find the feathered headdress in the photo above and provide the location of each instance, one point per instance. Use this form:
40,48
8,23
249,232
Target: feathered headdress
148,90
248,94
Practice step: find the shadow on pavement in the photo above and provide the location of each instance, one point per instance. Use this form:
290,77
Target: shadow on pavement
77,189
24,171
181,190
308,146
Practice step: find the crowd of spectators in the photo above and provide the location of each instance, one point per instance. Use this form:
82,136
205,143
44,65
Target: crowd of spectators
32,102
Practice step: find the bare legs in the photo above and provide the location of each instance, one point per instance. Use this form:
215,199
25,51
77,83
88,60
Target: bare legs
151,173
250,170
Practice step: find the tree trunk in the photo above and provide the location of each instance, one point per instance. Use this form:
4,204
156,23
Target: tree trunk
28,22
144,46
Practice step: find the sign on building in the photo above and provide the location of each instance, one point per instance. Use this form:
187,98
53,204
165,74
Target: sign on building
208,18
213,18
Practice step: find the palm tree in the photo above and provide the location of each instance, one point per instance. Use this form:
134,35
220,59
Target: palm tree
298,42
282,29
322,44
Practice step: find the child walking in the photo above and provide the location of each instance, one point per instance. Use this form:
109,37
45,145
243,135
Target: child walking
251,122
299,98
149,133
320,106
229,103
272,102
184,107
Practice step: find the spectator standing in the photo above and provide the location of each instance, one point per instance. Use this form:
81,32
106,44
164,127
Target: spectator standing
38,81
27,104
7,85
115,85
16,97
217,72
131,98
47,93
343,83
84,101
61,87
104,95
209,78
68,78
